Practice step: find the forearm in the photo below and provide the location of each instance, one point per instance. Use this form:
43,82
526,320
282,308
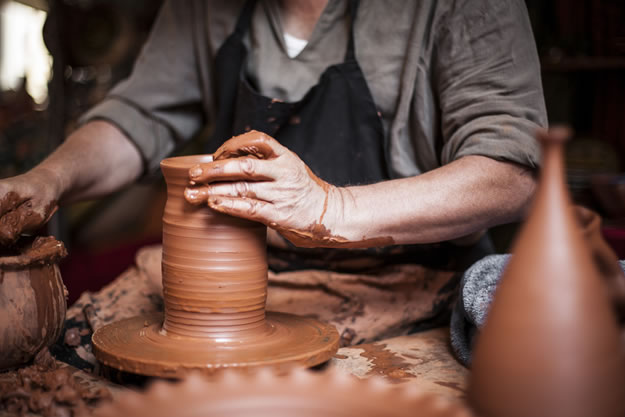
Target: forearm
95,160
466,196
276,188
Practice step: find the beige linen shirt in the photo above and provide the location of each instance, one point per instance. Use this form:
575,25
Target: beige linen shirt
449,77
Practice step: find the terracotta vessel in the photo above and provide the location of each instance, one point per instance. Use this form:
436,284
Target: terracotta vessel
550,345
214,288
300,393
604,257
32,300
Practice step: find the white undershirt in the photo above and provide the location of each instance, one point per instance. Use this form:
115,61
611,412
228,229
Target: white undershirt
294,45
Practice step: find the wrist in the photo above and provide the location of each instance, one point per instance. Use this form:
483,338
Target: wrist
51,179
352,221
334,217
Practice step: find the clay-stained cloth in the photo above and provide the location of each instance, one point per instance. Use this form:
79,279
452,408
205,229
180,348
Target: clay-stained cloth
365,307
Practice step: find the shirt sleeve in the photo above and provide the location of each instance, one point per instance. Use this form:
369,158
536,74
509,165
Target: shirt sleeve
160,105
487,75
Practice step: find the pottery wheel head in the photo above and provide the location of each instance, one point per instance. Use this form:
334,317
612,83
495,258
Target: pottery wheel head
300,393
138,345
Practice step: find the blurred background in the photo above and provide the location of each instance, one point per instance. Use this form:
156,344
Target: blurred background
59,57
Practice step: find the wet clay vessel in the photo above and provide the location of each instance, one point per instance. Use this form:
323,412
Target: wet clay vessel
604,257
550,345
300,393
214,288
32,299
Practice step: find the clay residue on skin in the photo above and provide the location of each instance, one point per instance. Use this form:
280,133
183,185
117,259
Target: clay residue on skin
43,250
17,215
252,143
46,390
317,235
258,145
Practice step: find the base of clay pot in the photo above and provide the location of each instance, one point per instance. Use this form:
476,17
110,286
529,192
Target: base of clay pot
139,345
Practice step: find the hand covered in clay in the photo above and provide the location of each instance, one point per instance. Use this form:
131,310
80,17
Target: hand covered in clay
255,177
26,203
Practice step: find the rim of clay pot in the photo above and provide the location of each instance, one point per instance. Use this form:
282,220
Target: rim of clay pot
299,392
588,220
51,251
186,162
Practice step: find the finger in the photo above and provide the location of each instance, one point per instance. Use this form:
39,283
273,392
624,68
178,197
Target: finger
14,223
237,169
196,195
10,202
253,143
247,208
241,189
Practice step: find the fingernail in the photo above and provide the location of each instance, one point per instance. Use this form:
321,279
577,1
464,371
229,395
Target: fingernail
195,172
194,195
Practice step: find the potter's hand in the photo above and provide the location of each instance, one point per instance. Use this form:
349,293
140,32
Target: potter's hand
26,202
255,177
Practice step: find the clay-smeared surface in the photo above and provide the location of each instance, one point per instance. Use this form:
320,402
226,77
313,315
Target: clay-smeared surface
47,390
300,393
550,345
17,215
32,300
214,288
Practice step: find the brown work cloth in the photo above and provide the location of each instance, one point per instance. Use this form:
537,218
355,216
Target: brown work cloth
364,307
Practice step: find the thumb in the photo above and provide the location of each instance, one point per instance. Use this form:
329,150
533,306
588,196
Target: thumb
253,143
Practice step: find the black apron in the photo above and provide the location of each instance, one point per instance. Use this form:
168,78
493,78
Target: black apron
335,129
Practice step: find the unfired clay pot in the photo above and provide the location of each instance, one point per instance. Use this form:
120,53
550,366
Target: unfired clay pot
300,393
214,290
32,300
604,257
550,345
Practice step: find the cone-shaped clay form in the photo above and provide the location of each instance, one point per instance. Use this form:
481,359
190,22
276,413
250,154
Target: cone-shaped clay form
550,345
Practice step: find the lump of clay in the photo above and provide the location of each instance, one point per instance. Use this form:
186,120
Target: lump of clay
32,299
46,390
550,345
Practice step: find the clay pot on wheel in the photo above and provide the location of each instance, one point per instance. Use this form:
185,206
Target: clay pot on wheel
214,270
32,299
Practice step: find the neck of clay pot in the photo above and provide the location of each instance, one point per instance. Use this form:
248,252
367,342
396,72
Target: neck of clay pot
553,174
214,266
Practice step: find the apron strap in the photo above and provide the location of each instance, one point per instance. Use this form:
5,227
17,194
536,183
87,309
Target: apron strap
350,54
245,18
